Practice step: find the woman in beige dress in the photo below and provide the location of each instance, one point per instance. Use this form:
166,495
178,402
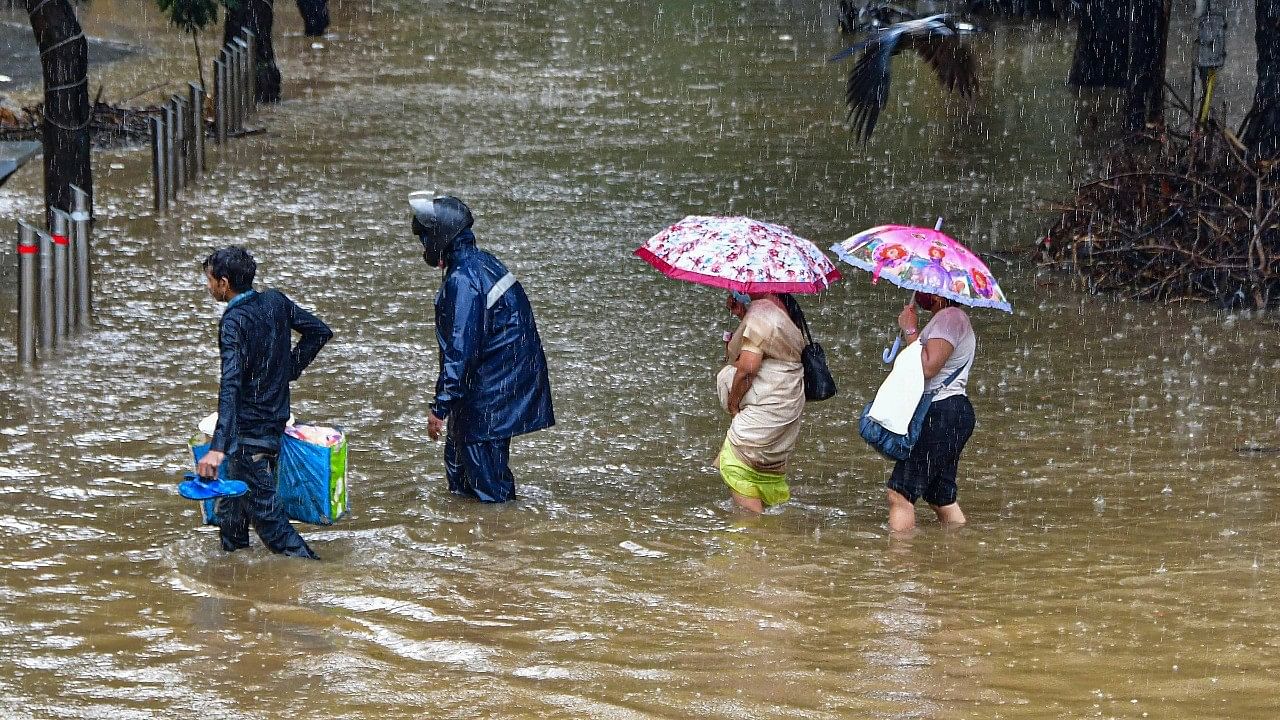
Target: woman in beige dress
762,388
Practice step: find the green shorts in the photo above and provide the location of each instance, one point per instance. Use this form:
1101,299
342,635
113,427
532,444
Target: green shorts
769,488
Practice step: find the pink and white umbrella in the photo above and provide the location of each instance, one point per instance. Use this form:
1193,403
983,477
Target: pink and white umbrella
924,259
738,253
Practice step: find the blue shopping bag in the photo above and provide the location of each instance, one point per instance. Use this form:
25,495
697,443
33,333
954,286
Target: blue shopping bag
311,480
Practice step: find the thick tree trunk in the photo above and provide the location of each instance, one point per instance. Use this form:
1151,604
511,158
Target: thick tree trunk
315,16
258,16
1102,45
64,62
1261,132
1026,8
1148,45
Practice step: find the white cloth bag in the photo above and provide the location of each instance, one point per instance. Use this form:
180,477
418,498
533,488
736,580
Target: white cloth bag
900,393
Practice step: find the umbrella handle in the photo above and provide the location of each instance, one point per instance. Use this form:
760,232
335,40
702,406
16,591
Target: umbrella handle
938,225
890,353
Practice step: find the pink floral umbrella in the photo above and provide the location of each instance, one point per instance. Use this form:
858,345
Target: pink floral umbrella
926,260
738,253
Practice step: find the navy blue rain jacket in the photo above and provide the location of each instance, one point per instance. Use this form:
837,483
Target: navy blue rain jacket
255,337
493,380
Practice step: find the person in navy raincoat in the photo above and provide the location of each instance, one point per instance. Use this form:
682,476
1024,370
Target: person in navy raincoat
493,382
258,362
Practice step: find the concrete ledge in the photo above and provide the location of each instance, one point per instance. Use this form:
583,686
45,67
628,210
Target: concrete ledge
14,154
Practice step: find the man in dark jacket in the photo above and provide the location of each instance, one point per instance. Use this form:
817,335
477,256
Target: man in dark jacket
258,362
493,381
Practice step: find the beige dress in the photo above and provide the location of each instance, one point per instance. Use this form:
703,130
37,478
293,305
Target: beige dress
765,430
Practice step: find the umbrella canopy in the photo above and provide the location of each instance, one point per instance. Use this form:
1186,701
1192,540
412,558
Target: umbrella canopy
738,253
925,260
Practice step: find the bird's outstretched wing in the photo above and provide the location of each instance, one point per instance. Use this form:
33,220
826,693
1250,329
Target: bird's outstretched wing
867,89
951,59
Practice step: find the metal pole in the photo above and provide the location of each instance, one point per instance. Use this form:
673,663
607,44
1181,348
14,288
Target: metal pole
60,286
220,99
233,84
62,230
251,39
196,97
246,100
170,164
157,165
48,338
27,252
234,73
80,227
179,143
243,80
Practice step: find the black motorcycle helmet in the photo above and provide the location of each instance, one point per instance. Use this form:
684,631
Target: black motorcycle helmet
437,220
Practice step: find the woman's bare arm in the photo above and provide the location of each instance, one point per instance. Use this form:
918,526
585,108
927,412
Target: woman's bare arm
934,355
747,366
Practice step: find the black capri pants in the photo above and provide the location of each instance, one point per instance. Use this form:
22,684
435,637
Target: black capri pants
930,470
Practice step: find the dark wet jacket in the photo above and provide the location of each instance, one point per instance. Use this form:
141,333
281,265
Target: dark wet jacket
258,362
493,380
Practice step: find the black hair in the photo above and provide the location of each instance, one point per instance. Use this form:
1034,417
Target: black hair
233,263
794,311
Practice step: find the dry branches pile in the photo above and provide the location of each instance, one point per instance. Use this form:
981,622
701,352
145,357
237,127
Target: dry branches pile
109,126
1176,218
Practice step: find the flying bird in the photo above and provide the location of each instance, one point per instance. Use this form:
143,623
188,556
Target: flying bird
857,17
937,38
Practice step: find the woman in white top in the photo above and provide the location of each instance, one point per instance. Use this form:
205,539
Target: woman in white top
949,345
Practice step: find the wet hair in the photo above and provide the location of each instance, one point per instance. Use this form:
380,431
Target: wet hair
233,263
922,295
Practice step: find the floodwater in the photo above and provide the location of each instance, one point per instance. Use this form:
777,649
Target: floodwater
1121,557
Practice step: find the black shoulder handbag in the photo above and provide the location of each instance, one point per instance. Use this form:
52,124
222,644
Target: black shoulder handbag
818,383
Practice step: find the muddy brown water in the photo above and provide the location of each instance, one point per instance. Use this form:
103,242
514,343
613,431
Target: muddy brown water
1120,559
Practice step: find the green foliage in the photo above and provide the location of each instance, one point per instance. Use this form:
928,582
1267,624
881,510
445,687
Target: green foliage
191,16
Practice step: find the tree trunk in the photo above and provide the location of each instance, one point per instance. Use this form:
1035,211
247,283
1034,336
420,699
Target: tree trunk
257,16
1261,133
1102,45
1051,9
315,16
1148,45
64,62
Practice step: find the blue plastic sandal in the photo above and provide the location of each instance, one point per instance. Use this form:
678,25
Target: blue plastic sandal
194,487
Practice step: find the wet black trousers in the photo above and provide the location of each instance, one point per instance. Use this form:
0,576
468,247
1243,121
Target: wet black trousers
259,507
480,470
930,471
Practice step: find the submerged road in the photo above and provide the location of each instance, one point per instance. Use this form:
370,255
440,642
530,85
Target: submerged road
20,59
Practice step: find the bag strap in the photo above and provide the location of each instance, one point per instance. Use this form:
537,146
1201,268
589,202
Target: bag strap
954,375
797,316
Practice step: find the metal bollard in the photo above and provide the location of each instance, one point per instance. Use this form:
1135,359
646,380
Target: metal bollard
246,69
48,338
251,40
60,286
170,164
233,73
233,88
242,81
82,255
179,144
158,166
196,157
220,99
62,229
27,252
